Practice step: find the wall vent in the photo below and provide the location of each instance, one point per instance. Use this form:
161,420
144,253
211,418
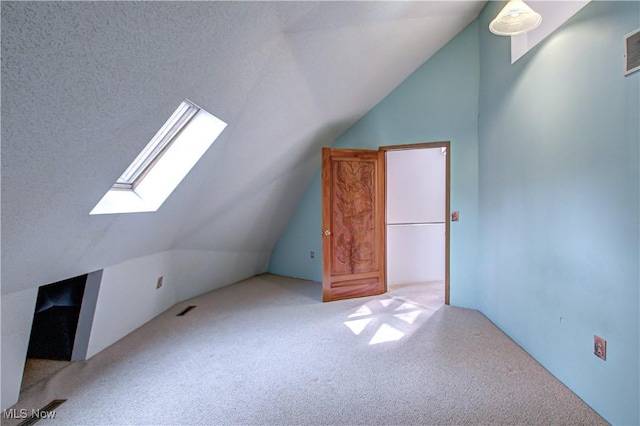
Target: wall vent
46,412
632,52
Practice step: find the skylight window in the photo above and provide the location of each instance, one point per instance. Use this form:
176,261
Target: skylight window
155,148
163,163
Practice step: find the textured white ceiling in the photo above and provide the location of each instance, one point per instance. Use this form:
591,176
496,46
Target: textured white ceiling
85,85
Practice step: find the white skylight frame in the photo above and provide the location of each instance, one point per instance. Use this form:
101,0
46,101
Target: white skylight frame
157,146
163,163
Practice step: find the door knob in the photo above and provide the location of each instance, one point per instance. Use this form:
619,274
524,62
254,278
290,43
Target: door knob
327,232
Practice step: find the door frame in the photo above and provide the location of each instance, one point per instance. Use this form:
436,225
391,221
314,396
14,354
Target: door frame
425,145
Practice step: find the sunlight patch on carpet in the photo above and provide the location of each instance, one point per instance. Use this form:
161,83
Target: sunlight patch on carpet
387,319
386,333
362,311
358,326
409,317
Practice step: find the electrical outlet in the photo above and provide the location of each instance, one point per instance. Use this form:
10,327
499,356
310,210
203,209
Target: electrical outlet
159,282
312,254
600,347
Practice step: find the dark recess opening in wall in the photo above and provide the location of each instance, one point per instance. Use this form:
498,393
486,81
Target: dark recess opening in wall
56,319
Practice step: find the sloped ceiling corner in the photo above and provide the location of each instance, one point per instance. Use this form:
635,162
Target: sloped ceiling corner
85,85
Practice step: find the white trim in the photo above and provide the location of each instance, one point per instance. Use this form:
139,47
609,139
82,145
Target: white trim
156,146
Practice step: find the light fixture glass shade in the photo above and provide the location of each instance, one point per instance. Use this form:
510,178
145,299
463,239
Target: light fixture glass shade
515,18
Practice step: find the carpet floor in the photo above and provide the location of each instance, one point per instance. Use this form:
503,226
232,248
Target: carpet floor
267,351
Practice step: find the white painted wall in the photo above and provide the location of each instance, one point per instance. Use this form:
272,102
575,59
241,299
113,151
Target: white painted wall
416,253
416,182
416,210
128,297
197,272
17,316
87,312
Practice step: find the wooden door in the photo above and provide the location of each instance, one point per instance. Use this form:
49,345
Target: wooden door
353,248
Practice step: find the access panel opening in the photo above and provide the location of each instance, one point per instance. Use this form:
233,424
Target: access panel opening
55,320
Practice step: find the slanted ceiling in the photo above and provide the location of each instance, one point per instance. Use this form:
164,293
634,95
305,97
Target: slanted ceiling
85,85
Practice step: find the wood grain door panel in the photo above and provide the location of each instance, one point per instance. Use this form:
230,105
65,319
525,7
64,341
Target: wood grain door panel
353,223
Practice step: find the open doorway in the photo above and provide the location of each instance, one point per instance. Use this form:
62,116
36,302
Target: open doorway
417,222
55,321
53,331
61,327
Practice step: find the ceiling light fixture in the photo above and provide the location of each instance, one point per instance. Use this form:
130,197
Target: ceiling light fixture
515,18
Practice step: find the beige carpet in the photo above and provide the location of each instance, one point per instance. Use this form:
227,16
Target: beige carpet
266,351
37,370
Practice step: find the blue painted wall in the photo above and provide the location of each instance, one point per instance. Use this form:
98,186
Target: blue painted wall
291,255
547,179
438,102
559,202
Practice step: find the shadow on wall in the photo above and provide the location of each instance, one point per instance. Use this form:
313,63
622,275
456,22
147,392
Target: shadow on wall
271,193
